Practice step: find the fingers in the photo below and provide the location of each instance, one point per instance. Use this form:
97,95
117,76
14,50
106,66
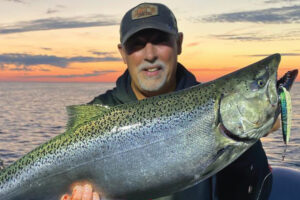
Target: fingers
65,197
96,196
87,192
77,193
80,192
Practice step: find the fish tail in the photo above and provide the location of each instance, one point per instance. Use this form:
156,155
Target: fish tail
288,79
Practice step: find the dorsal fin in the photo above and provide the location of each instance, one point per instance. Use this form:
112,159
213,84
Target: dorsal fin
80,114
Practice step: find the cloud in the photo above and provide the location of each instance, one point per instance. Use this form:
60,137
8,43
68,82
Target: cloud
46,48
60,6
243,37
25,61
58,23
57,8
283,15
279,1
213,69
44,70
21,68
31,60
3,66
51,11
94,73
286,35
93,59
193,44
101,53
17,1
282,54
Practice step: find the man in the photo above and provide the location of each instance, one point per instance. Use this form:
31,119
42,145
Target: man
150,44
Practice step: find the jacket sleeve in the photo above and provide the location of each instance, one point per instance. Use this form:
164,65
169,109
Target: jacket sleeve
105,99
245,177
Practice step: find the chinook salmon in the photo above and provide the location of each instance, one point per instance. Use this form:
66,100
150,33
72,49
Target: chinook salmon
153,147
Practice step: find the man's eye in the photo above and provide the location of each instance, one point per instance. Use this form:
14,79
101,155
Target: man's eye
134,46
160,40
139,44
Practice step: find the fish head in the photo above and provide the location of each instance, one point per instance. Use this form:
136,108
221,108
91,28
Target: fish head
249,101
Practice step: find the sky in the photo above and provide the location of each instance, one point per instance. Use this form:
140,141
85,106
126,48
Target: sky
76,41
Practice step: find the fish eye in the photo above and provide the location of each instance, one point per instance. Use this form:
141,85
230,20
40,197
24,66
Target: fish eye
257,84
261,83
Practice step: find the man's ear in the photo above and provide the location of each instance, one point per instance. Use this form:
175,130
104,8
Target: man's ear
122,52
179,43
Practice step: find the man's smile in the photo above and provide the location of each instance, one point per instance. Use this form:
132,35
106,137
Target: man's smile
152,71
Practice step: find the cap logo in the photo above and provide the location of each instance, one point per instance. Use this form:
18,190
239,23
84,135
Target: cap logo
144,11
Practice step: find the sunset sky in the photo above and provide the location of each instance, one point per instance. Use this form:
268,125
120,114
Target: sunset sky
66,41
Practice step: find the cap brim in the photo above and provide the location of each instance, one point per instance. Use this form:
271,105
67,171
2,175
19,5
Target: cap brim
157,26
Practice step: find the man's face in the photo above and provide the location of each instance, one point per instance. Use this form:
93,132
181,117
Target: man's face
151,57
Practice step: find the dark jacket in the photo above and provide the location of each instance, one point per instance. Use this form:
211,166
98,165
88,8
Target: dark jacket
241,180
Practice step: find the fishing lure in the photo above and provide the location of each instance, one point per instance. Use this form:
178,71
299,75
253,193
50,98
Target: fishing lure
286,116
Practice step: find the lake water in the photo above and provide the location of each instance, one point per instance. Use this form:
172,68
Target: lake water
32,113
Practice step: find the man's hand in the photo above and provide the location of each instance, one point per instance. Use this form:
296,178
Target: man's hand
82,192
275,127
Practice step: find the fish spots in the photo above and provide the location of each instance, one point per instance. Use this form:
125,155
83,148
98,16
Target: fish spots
120,126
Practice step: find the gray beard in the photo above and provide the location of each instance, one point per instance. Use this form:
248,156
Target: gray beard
150,87
147,87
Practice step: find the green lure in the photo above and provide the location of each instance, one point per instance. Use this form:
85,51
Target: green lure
286,116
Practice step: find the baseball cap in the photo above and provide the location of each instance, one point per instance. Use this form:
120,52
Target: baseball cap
147,16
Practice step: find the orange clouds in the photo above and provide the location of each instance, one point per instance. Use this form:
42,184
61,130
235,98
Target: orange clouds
205,69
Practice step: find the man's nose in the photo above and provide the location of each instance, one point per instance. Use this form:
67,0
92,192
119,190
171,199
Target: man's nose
150,52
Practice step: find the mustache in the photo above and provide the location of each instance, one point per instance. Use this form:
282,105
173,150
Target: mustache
145,65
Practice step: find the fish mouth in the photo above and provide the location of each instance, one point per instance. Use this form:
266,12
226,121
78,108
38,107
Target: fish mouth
248,140
227,133
234,137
